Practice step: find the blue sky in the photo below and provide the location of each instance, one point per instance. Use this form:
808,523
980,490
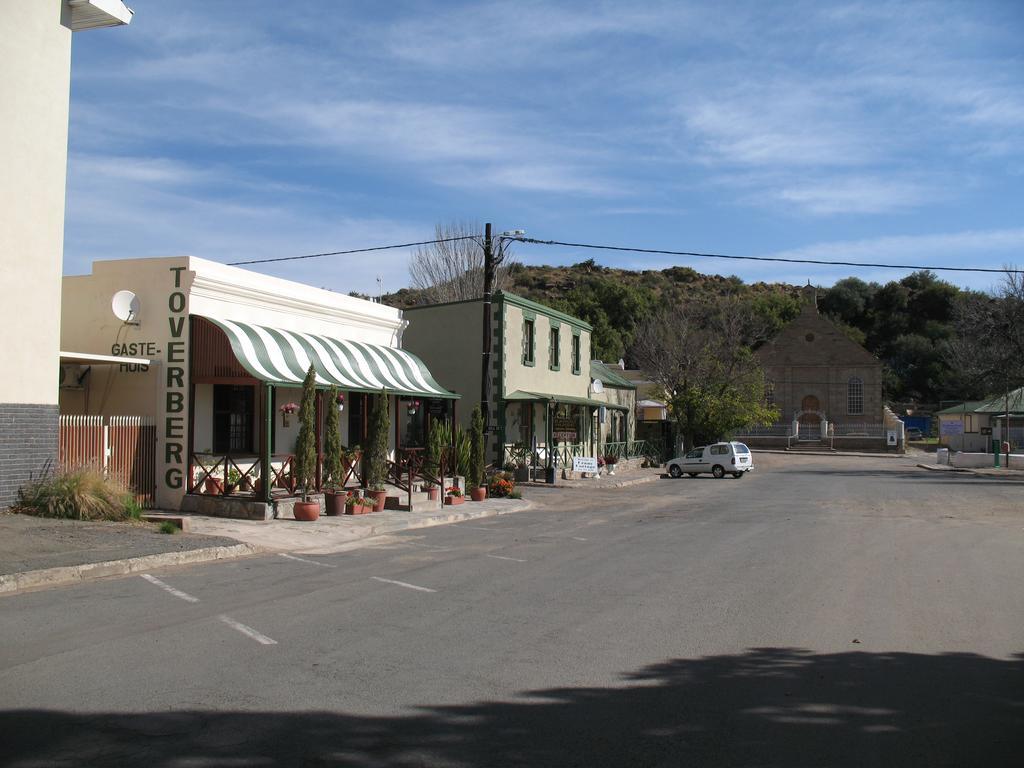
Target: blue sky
880,131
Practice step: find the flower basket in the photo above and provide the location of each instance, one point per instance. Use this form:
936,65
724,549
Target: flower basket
453,496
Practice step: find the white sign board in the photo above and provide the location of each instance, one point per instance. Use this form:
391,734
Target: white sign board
584,464
891,437
951,427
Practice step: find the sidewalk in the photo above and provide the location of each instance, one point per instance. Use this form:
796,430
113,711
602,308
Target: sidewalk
987,472
335,534
39,552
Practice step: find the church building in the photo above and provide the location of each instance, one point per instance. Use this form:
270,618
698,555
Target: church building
827,388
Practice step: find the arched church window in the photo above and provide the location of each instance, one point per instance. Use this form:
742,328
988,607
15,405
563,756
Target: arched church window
855,396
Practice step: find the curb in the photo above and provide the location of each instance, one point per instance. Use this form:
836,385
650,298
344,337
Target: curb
11,583
599,484
861,454
940,468
385,529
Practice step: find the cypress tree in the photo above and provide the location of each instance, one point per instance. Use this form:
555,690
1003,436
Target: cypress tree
377,450
333,449
305,445
476,457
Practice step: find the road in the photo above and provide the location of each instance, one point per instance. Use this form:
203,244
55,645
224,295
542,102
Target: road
822,611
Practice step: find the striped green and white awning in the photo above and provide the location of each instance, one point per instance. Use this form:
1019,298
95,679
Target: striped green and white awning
283,357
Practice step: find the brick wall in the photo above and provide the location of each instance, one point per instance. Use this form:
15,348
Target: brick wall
28,445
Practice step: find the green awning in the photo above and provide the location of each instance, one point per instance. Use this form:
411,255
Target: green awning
520,395
283,357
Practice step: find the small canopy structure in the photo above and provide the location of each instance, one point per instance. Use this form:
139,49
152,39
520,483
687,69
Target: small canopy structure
282,357
567,399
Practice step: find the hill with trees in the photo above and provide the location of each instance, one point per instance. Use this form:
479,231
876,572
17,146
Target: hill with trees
909,323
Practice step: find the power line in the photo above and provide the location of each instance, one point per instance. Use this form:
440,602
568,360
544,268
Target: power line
761,258
353,250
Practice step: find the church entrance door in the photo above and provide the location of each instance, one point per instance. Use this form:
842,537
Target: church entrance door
810,418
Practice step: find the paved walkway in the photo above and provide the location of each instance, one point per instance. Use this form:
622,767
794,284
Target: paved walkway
335,534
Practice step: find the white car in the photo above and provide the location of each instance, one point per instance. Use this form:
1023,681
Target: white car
717,459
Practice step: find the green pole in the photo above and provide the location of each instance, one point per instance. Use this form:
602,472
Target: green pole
268,432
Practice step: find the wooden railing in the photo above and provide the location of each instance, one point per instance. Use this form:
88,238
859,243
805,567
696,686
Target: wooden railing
214,474
410,464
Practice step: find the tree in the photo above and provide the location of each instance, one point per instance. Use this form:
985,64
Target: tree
377,439
454,270
305,444
475,478
700,357
333,474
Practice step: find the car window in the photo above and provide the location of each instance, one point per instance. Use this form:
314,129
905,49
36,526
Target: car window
719,450
696,453
740,448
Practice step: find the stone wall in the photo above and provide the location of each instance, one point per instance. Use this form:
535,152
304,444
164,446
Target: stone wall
28,445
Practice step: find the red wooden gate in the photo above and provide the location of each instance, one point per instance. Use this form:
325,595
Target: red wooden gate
122,446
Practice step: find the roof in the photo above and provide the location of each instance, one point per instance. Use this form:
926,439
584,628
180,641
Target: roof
518,301
1013,401
968,406
545,397
283,357
607,375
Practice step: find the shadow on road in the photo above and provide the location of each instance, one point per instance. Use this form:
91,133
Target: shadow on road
765,707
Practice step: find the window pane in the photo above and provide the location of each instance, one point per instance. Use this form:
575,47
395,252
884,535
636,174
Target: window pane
855,396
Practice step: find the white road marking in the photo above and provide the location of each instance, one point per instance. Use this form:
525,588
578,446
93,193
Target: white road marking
247,631
305,560
501,557
168,588
402,584
480,527
577,538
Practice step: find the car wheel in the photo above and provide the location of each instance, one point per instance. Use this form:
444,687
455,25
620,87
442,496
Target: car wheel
718,471
692,474
738,475
675,471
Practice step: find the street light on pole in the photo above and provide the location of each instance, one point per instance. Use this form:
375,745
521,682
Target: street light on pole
491,262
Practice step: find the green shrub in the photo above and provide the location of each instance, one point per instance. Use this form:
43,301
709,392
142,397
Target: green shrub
132,508
305,443
168,527
78,494
376,456
333,473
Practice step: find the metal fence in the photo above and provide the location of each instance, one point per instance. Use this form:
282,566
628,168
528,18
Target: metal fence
123,447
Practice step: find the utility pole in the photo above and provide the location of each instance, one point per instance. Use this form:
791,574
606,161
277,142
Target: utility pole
488,339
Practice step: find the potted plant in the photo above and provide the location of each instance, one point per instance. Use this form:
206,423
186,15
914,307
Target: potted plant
286,413
305,451
357,505
501,486
453,496
333,473
377,450
231,481
610,461
475,477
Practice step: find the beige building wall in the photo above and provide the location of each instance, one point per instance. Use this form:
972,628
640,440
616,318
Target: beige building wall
448,338
539,377
35,58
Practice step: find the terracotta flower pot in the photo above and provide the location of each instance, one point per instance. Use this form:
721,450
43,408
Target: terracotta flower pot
434,493
334,503
379,498
214,485
478,494
306,511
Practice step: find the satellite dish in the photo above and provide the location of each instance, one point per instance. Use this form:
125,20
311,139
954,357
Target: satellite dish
125,306
596,386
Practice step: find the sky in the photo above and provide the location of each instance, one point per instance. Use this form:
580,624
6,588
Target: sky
885,132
